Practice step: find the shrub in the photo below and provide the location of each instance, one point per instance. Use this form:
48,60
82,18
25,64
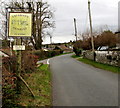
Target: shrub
61,51
77,51
40,53
46,54
9,70
10,63
8,82
29,61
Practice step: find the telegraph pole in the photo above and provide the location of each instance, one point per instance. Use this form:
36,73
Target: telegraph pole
75,28
91,34
51,40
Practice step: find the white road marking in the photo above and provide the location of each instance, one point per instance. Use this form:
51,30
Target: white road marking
48,61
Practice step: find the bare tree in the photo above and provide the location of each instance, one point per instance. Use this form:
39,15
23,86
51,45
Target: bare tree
43,22
42,19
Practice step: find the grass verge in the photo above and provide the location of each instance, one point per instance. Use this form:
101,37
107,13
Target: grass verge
40,83
74,56
98,65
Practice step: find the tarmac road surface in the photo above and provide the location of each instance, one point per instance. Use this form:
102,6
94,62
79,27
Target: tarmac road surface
78,84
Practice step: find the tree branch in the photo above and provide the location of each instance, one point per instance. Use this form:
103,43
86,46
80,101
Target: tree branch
33,95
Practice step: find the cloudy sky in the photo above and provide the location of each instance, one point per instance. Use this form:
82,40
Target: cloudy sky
104,15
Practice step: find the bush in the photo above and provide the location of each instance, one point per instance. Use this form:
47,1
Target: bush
77,51
40,53
54,53
10,64
28,64
9,70
47,54
29,61
8,81
8,96
61,51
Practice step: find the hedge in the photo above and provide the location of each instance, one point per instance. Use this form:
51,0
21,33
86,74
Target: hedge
47,54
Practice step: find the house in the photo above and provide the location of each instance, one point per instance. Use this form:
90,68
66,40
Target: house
64,48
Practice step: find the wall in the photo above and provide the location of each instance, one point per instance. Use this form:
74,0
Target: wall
106,57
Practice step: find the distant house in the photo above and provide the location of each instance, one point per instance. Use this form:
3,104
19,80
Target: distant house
64,48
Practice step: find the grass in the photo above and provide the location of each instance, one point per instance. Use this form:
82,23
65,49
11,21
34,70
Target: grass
74,56
40,83
98,65
44,67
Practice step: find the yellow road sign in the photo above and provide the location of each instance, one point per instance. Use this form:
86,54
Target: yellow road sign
20,24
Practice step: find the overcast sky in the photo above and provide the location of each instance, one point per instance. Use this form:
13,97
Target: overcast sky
104,14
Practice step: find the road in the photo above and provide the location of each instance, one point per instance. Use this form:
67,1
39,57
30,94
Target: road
78,84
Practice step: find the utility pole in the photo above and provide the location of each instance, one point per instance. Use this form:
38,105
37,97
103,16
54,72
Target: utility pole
75,28
51,40
91,34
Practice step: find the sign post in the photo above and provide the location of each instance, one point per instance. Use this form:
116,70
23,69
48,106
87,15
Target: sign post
20,25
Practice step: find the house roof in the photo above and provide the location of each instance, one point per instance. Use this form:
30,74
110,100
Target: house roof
63,47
